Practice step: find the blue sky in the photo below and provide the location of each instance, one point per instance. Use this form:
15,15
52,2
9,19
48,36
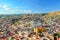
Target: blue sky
28,6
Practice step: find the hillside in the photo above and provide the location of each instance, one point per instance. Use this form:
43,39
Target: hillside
53,13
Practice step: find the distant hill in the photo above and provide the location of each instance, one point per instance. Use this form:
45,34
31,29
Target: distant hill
43,14
53,13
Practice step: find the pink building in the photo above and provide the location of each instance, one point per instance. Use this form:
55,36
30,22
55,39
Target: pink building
3,39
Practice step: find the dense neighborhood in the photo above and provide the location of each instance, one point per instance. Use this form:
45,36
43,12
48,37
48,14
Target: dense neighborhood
30,26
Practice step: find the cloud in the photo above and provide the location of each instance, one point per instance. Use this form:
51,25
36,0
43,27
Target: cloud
5,7
19,11
27,11
0,13
0,5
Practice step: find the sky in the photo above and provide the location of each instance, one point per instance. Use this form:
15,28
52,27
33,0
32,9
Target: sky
28,6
